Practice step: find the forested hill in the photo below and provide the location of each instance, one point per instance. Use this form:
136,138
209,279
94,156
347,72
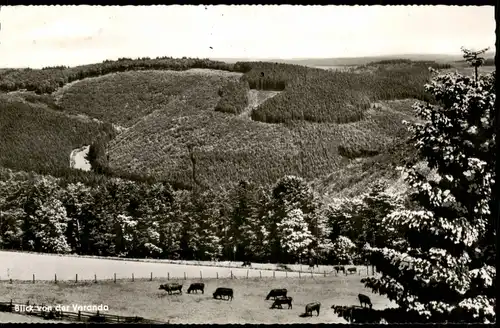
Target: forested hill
189,121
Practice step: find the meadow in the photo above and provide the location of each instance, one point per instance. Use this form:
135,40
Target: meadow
143,298
22,266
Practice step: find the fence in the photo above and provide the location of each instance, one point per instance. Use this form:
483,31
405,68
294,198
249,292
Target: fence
188,263
242,274
51,312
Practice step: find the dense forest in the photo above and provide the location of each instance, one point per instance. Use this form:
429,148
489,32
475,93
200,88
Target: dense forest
177,126
135,219
49,79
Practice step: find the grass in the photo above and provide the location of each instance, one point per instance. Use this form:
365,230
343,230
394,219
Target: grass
142,298
22,265
6,317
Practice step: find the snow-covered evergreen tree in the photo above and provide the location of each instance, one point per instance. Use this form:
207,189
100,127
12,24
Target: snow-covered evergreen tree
446,272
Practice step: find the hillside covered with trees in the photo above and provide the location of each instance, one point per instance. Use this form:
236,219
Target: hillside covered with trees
177,120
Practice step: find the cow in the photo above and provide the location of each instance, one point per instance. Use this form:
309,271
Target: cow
363,299
196,287
315,306
170,288
343,312
339,268
246,263
351,270
279,301
276,292
222,291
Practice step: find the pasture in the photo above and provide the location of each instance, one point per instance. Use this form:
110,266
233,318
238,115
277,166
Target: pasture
143,298
20,318
22,266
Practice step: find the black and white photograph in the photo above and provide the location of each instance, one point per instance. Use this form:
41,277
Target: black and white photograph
272,164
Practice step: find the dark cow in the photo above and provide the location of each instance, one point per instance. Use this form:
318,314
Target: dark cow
363,299
351,270
170,288
313,262
196,287
276,292
246,263
279,301
221,291
343,312
339,268
315,306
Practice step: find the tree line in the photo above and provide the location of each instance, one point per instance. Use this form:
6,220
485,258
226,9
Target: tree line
284,223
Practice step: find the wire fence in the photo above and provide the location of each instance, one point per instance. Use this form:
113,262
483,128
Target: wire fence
339,271
57,313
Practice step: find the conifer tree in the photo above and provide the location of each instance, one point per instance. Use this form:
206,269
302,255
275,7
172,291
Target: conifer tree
446,270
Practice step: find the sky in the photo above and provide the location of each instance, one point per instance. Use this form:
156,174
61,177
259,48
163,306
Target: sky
39,36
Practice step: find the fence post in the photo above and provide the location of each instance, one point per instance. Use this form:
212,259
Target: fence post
260,274
114,278
55,278
168,275
231,274
33,278
201,275
76,277
132,276
247,274
95,278
274,274
324,272
151,279
217,274
79,315
184,275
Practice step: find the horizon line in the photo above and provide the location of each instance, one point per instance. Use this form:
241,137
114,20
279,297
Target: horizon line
490,52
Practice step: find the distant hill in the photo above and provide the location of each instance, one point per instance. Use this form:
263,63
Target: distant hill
209,123
351,61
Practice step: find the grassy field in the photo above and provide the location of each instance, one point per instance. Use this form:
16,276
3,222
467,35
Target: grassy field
22,266
142,298
6,317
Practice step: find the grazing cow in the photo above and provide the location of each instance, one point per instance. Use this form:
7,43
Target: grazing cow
276,292
221,291
279,301
351,270
363,299
170,288
315,306
196,287
246,263
343,312
339,268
